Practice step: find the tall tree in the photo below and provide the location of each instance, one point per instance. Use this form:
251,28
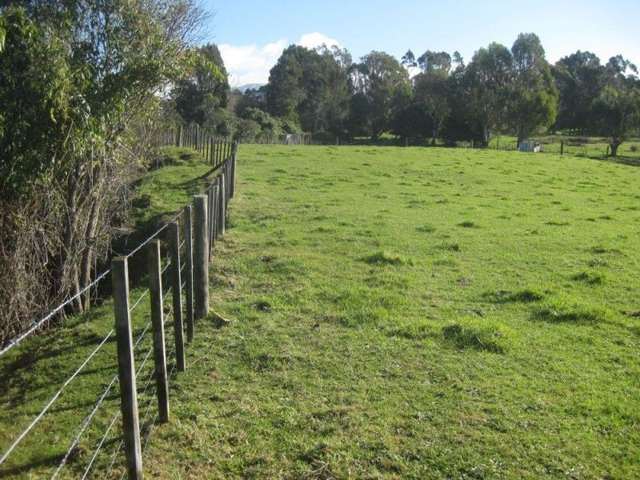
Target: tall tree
488,77
431,88
310,88
617,107
580,78
201,94
533,98
376,81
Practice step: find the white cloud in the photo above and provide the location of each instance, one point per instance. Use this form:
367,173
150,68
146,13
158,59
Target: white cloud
249,64
316,39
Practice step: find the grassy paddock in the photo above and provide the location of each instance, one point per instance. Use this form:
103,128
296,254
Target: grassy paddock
396,313
417,313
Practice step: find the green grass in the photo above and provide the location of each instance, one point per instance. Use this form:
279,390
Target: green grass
33,372
589,147
406,313
162,191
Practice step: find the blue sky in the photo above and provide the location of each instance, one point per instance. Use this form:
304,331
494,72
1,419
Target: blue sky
253,33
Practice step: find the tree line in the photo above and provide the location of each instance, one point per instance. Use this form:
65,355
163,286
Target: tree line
82,84
427,97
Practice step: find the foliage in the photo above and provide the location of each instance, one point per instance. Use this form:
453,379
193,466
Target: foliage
579,78
201,97
617,109
376,81
533,97
78,85
37,108
310,88
487,78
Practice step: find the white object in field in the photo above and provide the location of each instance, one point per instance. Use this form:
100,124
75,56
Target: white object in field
530,146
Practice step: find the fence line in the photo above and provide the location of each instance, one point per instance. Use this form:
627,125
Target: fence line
221,155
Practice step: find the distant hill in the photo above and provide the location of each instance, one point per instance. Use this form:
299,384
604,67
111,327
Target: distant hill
249,86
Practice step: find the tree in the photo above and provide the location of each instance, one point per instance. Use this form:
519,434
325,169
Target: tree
432,93
533,97
487,78
78,86
579,78
617,107
310,88
376,81
431,88
203,93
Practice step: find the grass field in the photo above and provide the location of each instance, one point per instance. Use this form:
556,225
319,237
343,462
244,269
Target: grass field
418,313
404,313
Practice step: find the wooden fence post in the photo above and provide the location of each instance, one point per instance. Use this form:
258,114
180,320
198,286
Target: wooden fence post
176,287
188,250
213,219
157,321
201,258
234,157
126,368
223,205
561,147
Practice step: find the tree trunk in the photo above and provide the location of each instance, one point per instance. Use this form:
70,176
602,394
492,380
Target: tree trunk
89,253
615,143
486,137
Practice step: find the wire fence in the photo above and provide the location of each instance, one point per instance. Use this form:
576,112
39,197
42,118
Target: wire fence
183,270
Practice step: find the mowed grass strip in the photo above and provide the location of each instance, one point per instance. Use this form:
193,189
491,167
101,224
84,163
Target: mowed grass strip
416,313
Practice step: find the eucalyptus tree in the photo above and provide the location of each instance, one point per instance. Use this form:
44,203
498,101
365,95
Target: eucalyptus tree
202,94
580,78
310,88
376,81
617,107
488,78
533,96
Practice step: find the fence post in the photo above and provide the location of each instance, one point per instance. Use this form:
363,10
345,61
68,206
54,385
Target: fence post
561,147
126,368
223,205
188,271
157,321
201,259
213,219
234,156
176,287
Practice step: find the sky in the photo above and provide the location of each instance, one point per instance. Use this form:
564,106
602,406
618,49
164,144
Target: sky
251,34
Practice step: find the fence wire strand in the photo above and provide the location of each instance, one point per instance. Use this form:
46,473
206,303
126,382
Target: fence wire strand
37,324
86,422
53,399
